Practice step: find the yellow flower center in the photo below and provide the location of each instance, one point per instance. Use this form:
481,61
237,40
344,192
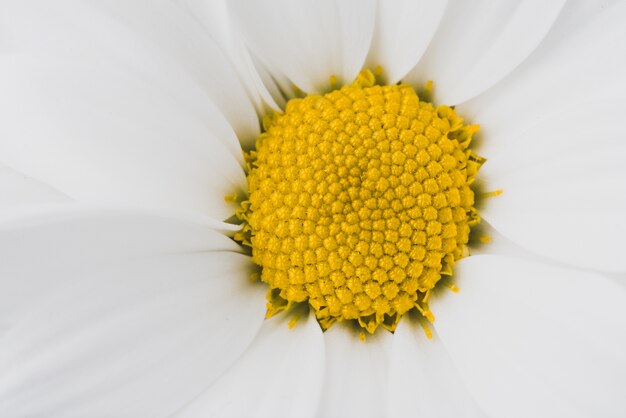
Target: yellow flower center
359,202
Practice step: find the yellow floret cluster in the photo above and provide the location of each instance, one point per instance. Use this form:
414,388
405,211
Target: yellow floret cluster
359,202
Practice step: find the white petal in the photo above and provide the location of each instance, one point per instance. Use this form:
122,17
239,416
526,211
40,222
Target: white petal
280,375
138,340
423,381
42,252
18,192
154,40
485,239
534,340
123,99
479,43
583,59
403,31
619,278
356,373
273,87
557,124
216,20
564,185
309,41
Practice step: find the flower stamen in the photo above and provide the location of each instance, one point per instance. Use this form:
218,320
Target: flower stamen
360,201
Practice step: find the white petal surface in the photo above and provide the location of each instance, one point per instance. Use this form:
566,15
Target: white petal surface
308,41
403,31
582,58
423,380
555,144
534,340
45,251
485,239
279,376
125,100
216,20
18,192
137,340
478,43
619,278
356,373
564,195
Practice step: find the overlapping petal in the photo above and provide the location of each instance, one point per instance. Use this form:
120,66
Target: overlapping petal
20,193
531,339
554,143
423,380
399,41
128,99
356,373
47,249
478,43
307,42
279,376
140,338
216,20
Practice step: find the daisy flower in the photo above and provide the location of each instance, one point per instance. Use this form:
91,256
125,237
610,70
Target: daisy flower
312,209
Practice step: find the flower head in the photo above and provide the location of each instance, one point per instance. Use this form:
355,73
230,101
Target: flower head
129,285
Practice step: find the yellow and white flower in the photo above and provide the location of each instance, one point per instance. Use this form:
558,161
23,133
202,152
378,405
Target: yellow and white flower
123,294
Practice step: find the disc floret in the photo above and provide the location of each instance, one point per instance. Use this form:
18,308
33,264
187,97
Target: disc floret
360,200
